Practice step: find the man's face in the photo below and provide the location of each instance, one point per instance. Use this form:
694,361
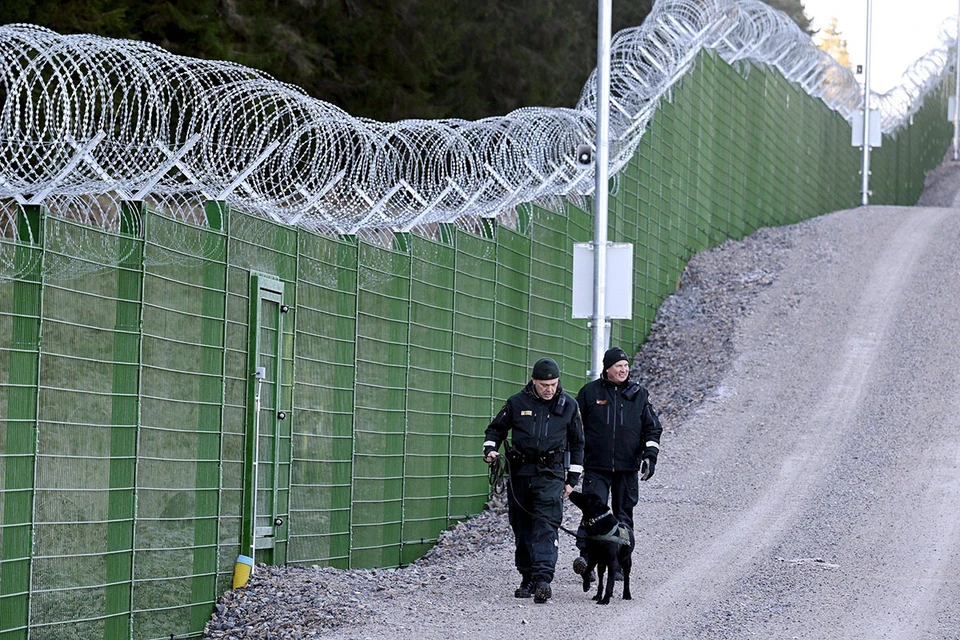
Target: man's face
546,389
618,371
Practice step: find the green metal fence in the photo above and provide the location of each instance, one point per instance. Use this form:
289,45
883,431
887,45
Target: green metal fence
242,384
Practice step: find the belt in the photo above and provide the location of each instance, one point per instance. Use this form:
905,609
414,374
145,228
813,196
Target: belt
547,459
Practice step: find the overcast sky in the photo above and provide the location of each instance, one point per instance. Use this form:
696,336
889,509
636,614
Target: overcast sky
902,31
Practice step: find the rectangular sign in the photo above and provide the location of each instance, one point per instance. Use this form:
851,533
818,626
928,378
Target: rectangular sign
619,286
876,135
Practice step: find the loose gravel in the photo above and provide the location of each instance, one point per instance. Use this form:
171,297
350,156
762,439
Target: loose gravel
468,576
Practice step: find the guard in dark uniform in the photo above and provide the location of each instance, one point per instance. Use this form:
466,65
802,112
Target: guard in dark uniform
546,425
622,433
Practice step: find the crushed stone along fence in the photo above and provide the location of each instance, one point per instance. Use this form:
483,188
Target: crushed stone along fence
187,374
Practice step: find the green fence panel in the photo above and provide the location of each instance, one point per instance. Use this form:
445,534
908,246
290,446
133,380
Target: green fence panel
551,281
383,335
511,366
472,403
321,486
896,174
427,452
752,133
89,386
178,479
576,335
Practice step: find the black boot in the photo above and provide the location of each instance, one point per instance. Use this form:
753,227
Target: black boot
542,593
525,590
580,566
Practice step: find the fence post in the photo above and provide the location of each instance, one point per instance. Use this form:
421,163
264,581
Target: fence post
125,422
210,412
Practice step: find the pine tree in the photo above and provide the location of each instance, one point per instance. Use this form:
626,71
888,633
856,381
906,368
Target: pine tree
379,59
829,40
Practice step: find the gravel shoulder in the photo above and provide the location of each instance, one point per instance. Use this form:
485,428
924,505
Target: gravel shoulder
809,485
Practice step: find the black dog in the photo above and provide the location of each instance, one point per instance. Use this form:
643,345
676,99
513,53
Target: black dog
607,543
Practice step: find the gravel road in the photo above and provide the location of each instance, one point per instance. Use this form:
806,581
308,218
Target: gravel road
809,484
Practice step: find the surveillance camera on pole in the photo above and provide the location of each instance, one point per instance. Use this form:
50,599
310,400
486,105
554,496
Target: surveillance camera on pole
584,155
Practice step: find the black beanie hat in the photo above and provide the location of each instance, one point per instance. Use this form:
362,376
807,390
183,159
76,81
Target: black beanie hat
545,369
613,356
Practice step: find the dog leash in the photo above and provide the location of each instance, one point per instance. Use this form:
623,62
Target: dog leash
495,475
499,477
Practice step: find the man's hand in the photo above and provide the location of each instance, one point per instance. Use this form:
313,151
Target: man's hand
567,490
647,467
491,457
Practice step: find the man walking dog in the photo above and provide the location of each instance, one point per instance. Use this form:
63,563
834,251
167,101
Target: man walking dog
546,425
622,436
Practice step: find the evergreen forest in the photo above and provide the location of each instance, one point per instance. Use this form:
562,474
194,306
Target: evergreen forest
382,59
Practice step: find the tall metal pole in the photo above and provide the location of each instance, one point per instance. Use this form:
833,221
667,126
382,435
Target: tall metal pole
599,321
956,95
865,190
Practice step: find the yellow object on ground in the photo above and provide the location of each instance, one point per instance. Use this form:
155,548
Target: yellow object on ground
242,571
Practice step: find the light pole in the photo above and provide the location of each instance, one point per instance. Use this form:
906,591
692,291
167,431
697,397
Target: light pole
865,190
598,325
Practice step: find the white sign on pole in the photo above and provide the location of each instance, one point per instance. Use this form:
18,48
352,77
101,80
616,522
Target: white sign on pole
876,135
619,305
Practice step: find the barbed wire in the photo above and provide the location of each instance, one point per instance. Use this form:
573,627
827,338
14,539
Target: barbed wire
85,117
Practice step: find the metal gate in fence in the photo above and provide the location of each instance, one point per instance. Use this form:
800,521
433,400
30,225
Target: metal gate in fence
267,458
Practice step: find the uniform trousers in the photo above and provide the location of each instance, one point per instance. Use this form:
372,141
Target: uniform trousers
535,503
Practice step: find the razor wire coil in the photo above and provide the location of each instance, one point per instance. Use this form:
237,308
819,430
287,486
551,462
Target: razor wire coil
85,119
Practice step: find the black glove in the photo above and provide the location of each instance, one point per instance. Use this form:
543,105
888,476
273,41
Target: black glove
647,467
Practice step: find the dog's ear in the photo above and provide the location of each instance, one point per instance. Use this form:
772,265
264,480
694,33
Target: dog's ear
595,503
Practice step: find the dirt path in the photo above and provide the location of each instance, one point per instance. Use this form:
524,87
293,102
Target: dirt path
815,495
824,484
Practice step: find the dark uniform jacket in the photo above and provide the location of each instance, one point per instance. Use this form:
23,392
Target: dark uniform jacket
542,432
619,424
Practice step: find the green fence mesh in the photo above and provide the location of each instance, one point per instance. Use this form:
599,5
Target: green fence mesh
321,485
141,453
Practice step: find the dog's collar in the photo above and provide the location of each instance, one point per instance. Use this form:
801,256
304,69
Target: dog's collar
593,521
